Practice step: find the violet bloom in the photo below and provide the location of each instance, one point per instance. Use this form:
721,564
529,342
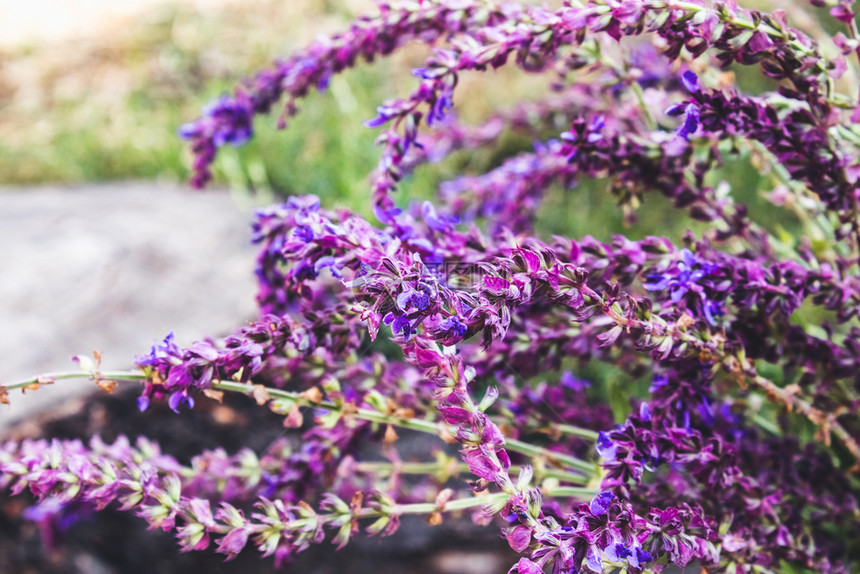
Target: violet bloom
400,324
600,503
418,299
690,81
690,275
225,120
160,352
453,327
645,412
691,121
178,399
605,447
690,111
574,383
439,110
436,222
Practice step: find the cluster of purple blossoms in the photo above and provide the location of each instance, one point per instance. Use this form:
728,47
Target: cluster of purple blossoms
741,456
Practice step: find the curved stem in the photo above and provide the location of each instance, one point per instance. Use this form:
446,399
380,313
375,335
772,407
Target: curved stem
49,378
465,503
586,434
416,424
428,507
473,502
451,467
826,422
744,370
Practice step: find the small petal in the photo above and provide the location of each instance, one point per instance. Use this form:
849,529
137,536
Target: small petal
690,81
601,502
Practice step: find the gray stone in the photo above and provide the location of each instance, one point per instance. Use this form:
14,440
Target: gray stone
113,267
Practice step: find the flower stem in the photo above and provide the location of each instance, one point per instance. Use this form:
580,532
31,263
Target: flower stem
474,502
49,378
587,434
416,424
450,506
33,383
429,507
450,467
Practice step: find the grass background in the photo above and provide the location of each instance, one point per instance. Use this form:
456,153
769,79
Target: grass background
107,106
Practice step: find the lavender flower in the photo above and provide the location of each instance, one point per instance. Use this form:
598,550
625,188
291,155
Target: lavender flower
705,467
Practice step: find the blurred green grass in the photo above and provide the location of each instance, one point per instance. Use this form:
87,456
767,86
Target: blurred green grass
110,109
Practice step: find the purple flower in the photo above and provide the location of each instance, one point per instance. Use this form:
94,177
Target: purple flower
690,275
412,300
618,551
526,566
179,398
400,324
570,381
439,110
842,11
330,263
658,382
691,121
303,233
481,464
639,557
593,561
434,221
160,352
384,115
233,542
225,120
601,502
454,327
605,447
644,412
690,81
712,310
519,538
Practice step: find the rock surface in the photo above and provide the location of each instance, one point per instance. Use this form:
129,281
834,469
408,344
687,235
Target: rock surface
113,267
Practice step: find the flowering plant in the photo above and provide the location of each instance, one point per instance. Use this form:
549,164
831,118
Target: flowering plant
742,456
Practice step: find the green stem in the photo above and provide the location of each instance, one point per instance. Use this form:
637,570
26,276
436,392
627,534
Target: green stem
472,502
405,467
429,507
646,112
569,492
450,506
475,501
587,434
49,378
538,452
416,424
765,424
420,425
425,468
